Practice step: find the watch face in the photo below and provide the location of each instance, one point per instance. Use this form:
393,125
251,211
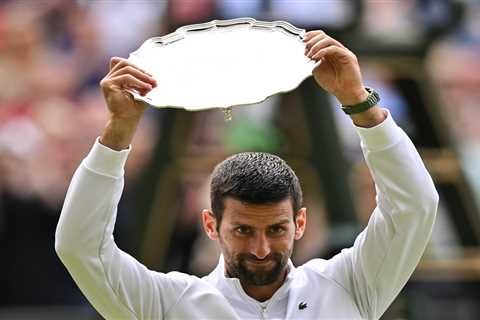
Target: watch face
223,63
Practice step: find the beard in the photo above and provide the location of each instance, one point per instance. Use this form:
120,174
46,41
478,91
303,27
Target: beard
257,275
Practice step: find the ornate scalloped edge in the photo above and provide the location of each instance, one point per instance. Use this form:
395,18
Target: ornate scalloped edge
181,32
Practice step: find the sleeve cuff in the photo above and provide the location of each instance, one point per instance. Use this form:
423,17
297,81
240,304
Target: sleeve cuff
382,136
106,161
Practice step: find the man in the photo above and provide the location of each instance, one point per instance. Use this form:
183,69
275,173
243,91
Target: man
256,216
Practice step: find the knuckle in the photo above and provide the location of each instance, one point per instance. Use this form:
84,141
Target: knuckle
119,61
127,68
131,69
115,60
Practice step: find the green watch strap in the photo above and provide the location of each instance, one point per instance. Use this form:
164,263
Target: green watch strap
372,99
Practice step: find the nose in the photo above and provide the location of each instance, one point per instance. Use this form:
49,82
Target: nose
260,247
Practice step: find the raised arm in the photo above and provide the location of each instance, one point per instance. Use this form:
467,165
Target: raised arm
386,253
117,285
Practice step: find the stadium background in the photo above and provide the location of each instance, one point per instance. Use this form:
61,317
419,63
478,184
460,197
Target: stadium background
422,56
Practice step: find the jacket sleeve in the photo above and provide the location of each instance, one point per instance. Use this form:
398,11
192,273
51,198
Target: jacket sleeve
386,253
117,285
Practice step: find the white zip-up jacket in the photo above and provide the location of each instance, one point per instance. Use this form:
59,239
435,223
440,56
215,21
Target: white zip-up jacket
359,282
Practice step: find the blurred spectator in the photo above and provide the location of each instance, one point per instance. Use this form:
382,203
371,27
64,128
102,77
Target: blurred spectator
183,12
392,22
124,25
454,63
328,14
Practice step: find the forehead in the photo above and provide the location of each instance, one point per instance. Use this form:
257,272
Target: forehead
236,211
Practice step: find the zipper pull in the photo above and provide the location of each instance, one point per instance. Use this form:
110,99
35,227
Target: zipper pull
264,310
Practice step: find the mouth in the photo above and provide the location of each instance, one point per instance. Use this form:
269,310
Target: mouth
265,262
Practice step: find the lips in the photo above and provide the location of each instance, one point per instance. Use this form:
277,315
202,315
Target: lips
260,262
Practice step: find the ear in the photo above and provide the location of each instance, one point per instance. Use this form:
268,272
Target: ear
300,223
209,224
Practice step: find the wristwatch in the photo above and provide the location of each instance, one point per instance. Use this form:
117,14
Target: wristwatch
372,99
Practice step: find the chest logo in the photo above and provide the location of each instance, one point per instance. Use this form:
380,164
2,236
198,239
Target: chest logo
302,305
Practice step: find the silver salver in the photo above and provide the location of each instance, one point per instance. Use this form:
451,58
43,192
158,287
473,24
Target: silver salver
223,63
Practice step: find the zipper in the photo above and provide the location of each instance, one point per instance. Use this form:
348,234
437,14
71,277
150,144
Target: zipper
263,312
264,305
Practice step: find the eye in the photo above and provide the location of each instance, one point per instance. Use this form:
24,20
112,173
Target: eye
276,230
243,230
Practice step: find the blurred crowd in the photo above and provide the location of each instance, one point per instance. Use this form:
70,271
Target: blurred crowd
53,53
52,59
52,56
454,64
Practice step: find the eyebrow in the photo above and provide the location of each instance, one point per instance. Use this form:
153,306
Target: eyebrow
238,224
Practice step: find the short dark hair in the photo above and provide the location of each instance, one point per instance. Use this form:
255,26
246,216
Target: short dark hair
256,178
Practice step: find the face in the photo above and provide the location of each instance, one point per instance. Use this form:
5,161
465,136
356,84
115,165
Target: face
256,240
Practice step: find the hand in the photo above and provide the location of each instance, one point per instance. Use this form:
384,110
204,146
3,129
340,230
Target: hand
125,112
338,72
124,75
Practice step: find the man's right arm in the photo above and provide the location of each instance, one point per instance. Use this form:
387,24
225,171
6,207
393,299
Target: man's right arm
117,285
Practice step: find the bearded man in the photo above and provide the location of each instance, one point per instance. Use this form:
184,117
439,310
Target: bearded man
256,215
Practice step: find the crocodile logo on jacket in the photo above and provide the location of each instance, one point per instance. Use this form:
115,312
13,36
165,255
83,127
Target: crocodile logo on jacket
302,305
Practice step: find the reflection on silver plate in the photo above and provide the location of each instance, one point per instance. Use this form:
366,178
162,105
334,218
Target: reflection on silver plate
223,63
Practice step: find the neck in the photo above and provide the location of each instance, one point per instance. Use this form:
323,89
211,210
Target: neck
263,293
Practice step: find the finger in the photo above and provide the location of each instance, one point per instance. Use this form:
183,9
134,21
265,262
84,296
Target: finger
118,63
136,73
339,53
310,43
323,43
114,61
127,81
310,34
319,38
316,44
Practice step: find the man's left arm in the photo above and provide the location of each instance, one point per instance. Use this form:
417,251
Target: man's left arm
386,253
